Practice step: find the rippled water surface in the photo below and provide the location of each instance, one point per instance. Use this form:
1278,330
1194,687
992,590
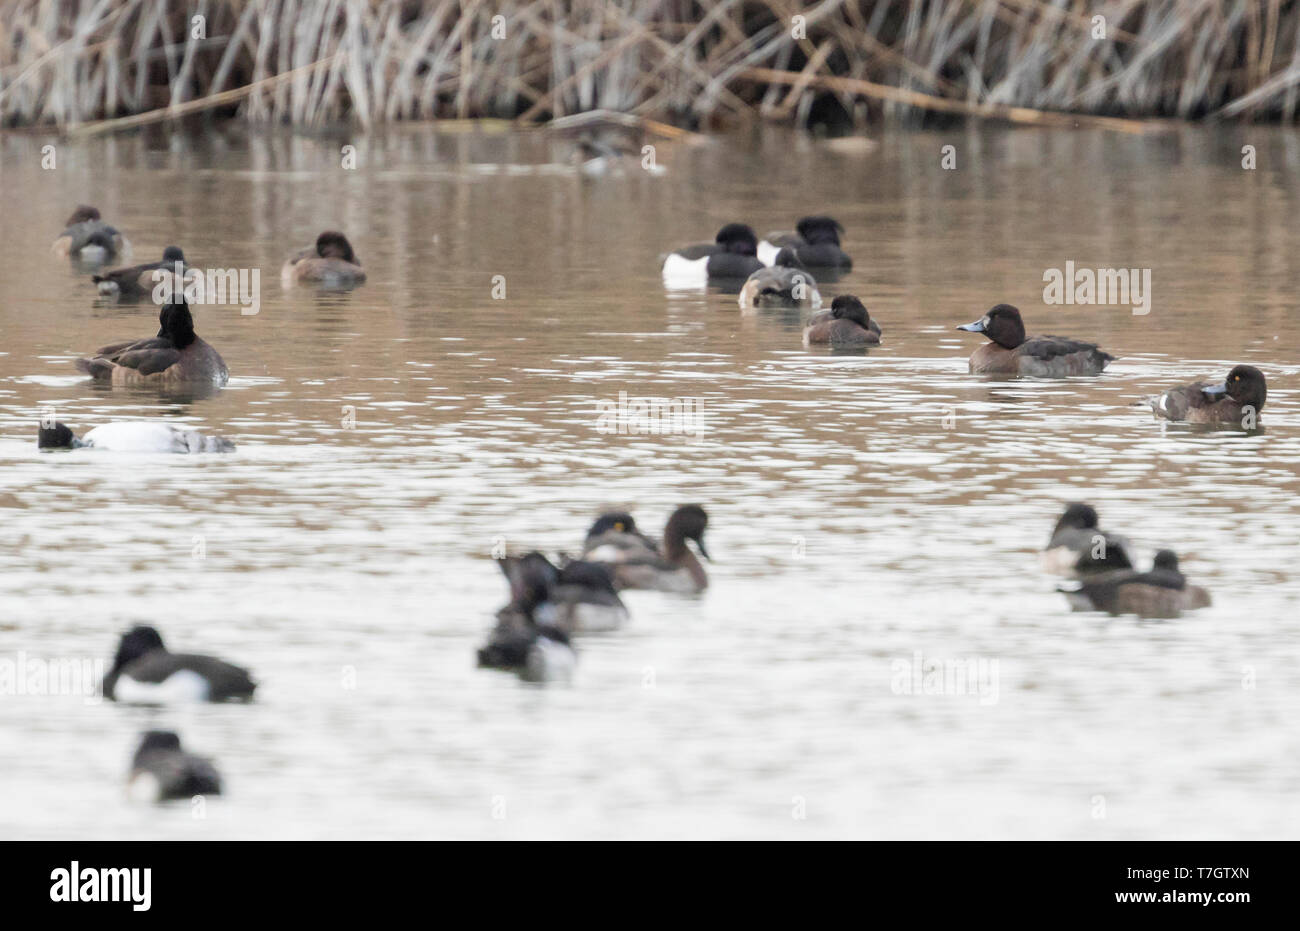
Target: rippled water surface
868,512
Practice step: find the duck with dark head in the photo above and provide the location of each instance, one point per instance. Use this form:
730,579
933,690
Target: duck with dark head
1010,352
139,281
847,323
87,238
731,257
331,262
1236,401
671,567
177,355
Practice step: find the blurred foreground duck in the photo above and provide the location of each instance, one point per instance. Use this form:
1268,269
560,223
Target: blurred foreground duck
730,257
143,437
526,640
145,672
175,356
1078,547
161,771
635,562
87,238
1162,592
786,284
847,323
139,281
1238,399
1011,352
331,262
815,243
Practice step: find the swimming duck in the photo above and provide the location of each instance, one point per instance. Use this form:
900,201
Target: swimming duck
88,238
175,356
815,242
148,437
1010,352
1078,547
330,262
1161,593
161,771
786,284
1238,399
145,672
583,600
138,280
731,256
523,641
672,568
615,529
845,324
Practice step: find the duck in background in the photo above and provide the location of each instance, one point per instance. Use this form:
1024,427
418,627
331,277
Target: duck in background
139,281
671,568
175,356
816,244
144,437
1078,547
1238,399
785,284
161,771
1162,592
732,256
847,323
523,641
331,263
144,671
89,239
1011,352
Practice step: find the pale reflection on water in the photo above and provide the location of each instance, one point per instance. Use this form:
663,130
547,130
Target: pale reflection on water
864,507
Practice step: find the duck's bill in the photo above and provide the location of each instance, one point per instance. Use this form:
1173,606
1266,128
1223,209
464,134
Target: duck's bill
1216,389
703,551
976,327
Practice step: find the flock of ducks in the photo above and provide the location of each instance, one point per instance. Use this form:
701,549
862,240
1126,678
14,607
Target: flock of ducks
553,602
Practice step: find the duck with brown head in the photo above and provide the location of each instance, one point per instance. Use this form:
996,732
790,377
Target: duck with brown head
175,356
331,263
1078,547
139,281
1162,592
672,567
526,640
786,284
1010,352
847,323
1236,401
89,239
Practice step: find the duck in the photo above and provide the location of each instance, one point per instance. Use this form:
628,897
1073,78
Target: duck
845,324
1010,352
330,262
139,280
730,257
1078,547
175,356
144,671
785,284
583,600
615,529
671,567
1162,592
144,437
815,242
161,771
88,238
1238,399
524,640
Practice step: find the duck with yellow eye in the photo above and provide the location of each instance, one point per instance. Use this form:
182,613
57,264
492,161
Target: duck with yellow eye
1238,399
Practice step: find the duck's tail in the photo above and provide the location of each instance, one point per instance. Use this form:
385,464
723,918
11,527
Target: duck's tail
96,368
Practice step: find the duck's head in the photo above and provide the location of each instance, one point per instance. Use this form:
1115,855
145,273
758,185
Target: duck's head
848,307
1166,560
173,254
153,741
135,643
55,437
83,214
787,259
332,244
1245,384
1002,324
815,230
532,578
1077,516
738,238
688,522
619,521
176,323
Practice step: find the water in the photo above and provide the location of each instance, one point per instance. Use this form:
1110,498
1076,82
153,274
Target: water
864,508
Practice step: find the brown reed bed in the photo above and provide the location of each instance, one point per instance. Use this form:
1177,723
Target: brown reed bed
89,66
